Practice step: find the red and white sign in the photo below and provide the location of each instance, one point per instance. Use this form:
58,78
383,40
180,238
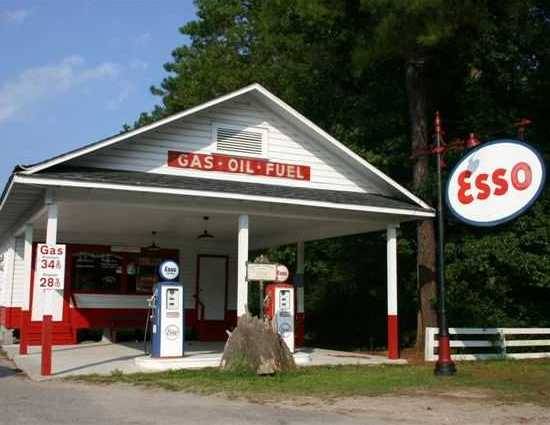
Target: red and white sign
281,274
50,267
236,164
495,183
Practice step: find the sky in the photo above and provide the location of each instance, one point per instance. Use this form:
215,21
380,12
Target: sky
73,72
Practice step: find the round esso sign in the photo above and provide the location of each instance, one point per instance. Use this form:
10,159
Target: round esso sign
281,273
169,270
495,183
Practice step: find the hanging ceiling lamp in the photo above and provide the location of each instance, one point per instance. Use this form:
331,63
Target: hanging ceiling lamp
153,247
205,234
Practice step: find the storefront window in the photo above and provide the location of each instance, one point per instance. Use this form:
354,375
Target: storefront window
96,269
101,272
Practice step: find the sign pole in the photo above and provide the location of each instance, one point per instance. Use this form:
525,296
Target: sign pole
444,366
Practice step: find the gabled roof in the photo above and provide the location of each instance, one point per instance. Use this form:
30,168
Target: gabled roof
265,96
184,185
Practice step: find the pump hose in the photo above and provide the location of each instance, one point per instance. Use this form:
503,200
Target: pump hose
145,347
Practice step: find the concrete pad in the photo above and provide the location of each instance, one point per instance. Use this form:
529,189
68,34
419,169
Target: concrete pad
104,358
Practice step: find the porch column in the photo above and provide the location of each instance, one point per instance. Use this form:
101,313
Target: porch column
27,257
242,259
299,285
25,313
51,229
393,322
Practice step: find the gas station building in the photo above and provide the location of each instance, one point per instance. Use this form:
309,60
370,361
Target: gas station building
206,186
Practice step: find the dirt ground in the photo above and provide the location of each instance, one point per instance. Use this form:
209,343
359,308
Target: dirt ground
23,401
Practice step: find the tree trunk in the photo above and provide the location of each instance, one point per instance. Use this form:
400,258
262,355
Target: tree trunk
426,246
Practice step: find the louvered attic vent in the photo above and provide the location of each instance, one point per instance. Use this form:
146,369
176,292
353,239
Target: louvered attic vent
242,141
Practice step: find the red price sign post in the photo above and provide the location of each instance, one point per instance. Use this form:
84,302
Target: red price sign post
49,277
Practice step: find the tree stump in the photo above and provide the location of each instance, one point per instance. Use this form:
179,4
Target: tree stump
255,347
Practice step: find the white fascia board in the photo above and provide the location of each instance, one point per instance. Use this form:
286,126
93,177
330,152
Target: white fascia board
222,195
115,139
7,194
318,130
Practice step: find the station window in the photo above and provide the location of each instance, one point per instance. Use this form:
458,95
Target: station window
95,269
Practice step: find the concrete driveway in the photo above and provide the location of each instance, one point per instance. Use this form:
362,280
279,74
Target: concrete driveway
105,357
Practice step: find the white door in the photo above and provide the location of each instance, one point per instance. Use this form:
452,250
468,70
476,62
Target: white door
213,286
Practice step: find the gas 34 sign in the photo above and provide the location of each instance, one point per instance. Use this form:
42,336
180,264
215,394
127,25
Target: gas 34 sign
495,183
50,267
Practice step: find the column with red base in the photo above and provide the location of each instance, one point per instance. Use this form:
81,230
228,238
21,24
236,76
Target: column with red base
393,320
46,363
24,332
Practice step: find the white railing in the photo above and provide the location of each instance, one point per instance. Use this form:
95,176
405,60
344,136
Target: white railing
491,343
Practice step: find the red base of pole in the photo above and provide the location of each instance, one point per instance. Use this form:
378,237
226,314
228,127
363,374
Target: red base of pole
445,365
393,337
46,366
24,332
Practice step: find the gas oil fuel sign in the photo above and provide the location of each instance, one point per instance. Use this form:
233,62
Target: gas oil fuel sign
495,183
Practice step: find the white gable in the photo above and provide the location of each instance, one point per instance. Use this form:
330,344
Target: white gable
284,144
292,138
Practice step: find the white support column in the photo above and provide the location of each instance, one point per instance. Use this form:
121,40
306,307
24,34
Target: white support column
28,265
242,259
299,279
51,229
393,321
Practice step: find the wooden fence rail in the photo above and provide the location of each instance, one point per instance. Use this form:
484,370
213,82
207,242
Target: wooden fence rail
491,343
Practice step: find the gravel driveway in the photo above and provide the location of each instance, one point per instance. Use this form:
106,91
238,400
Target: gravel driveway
55,402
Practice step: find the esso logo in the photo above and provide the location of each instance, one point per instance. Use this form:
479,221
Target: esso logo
281,273
169,270
172,332
495,183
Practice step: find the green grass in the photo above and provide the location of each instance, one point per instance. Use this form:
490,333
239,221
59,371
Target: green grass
507,380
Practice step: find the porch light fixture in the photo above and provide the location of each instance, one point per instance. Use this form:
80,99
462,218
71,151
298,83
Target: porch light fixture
153,247
205,234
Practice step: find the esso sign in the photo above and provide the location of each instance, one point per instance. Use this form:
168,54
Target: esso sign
495,183
169,270
281,274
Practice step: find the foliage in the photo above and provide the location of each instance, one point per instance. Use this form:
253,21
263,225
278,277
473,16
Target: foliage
341,63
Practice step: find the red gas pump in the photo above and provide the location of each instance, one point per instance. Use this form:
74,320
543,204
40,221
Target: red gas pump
279,307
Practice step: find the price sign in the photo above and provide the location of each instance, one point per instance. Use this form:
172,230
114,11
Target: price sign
50,267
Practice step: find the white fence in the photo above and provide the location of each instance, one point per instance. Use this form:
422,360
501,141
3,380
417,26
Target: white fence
491,343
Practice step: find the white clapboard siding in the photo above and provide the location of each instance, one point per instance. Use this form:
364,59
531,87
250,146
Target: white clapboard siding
285,143
19,293
3,271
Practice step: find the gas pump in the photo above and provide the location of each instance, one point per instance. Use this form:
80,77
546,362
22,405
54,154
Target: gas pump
168,330
279,308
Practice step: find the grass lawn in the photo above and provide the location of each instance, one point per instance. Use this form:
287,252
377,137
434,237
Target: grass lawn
506,380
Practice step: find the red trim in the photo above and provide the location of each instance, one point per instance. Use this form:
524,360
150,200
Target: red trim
46,357
10,317
24,332
393,337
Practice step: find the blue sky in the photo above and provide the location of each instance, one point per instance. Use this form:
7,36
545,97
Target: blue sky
73,72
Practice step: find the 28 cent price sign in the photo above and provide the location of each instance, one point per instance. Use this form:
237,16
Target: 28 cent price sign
50,267
495,183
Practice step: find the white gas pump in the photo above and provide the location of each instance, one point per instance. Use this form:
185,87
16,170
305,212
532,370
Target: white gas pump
279,307
168,330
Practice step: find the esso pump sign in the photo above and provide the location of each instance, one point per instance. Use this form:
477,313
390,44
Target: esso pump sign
169,270
495,183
